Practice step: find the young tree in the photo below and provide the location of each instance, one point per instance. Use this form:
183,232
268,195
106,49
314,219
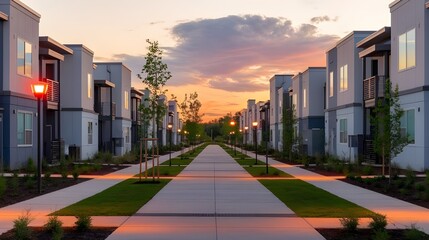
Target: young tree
191,117
388,140
155,75
288,120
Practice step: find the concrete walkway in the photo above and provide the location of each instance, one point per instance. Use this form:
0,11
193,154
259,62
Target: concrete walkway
400,214
215,198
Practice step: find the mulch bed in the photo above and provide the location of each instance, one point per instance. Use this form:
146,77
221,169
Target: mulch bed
70,233
361,234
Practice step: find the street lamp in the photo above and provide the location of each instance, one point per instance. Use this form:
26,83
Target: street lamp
255,126
241,145
39,90
245,138
170,128
232,123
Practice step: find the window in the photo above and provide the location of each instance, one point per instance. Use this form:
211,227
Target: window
343,130
90,132
24,58
331,84
295,100
126,100
407,50
344,78
89,85
127,134
407,125
304,95
271,135
25,128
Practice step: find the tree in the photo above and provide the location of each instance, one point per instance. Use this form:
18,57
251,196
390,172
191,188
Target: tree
191,117
388,139
155,75
288,120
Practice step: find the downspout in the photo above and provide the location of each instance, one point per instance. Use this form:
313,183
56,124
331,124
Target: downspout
364,107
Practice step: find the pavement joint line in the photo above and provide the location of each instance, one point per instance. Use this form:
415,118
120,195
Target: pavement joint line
250,215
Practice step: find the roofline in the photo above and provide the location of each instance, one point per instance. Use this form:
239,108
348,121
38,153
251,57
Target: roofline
4,16
27,8
57,44
345,38
113,63
81,46
394,3
137,91
372,36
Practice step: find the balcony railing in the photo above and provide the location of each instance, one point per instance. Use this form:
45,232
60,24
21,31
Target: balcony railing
373,87
53,94
103,109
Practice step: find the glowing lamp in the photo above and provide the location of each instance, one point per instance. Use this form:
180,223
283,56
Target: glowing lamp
170,126
39,89
232,123
255,124
246,128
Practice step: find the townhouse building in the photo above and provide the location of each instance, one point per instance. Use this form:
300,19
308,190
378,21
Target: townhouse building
120,76
277,82
78,117
344,100
307,95
174,120
250,118
19,69
136,123
409,70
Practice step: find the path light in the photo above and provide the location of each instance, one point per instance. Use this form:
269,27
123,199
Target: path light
255,137
39,90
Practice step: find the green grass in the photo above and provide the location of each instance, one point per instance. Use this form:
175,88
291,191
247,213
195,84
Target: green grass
164,171
307,200
249,161
177,161
123,199
261,172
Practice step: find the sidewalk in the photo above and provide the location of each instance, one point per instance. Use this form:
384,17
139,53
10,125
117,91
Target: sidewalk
41,206
215,198
400,214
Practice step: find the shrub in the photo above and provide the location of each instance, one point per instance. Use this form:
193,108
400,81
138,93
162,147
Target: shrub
410,178
381,235
349,224
76,173
30,168
367,170
413,233
21,228
64,174
54,226
47,176
14,184
2,185
378,222
83,223
30,183
420,187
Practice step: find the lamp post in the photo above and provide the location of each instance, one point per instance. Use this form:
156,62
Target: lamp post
39,90
255,126
170,128
241,145
245,138
232,123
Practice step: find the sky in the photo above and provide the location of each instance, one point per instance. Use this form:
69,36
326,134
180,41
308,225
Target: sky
226,50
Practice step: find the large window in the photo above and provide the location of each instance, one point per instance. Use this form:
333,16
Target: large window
127,134
89,85
304,96
408,125
25,128
331,84
126,100
90,132
343,130
407,50
24,58
344,84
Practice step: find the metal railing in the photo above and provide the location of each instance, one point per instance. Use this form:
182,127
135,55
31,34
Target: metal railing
53,94
373,87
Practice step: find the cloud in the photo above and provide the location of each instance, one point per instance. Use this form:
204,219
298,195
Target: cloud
317,20
222,53
157,22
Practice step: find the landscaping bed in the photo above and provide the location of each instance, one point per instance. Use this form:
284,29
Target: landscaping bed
70,233
363,234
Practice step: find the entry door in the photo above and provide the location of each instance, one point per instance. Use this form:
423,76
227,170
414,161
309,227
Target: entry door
1,142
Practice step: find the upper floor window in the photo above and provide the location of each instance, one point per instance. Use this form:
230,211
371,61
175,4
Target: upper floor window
89,85
24,58
25,128
126,100
331,84
407,50
344,85
304,96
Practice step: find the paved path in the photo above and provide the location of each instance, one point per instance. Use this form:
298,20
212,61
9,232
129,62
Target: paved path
400,214
214,198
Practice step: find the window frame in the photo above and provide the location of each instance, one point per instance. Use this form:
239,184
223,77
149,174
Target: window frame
331,84
405,116
25,114
126,100
404,52
26,57
344,78
90,133
344,139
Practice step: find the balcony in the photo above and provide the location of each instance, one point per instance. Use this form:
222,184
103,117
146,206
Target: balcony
103,109
373,88
53,94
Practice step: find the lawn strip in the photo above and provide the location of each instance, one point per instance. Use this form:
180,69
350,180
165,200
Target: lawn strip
260,171
307,200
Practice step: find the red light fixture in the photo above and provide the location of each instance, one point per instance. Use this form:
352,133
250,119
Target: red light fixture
39,89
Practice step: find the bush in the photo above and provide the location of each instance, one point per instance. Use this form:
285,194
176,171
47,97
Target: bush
381,235
2,185
76,173
21,228
47,176
410,178
367,170
54,226
83,223
413,233
378,222
30,167
349,224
